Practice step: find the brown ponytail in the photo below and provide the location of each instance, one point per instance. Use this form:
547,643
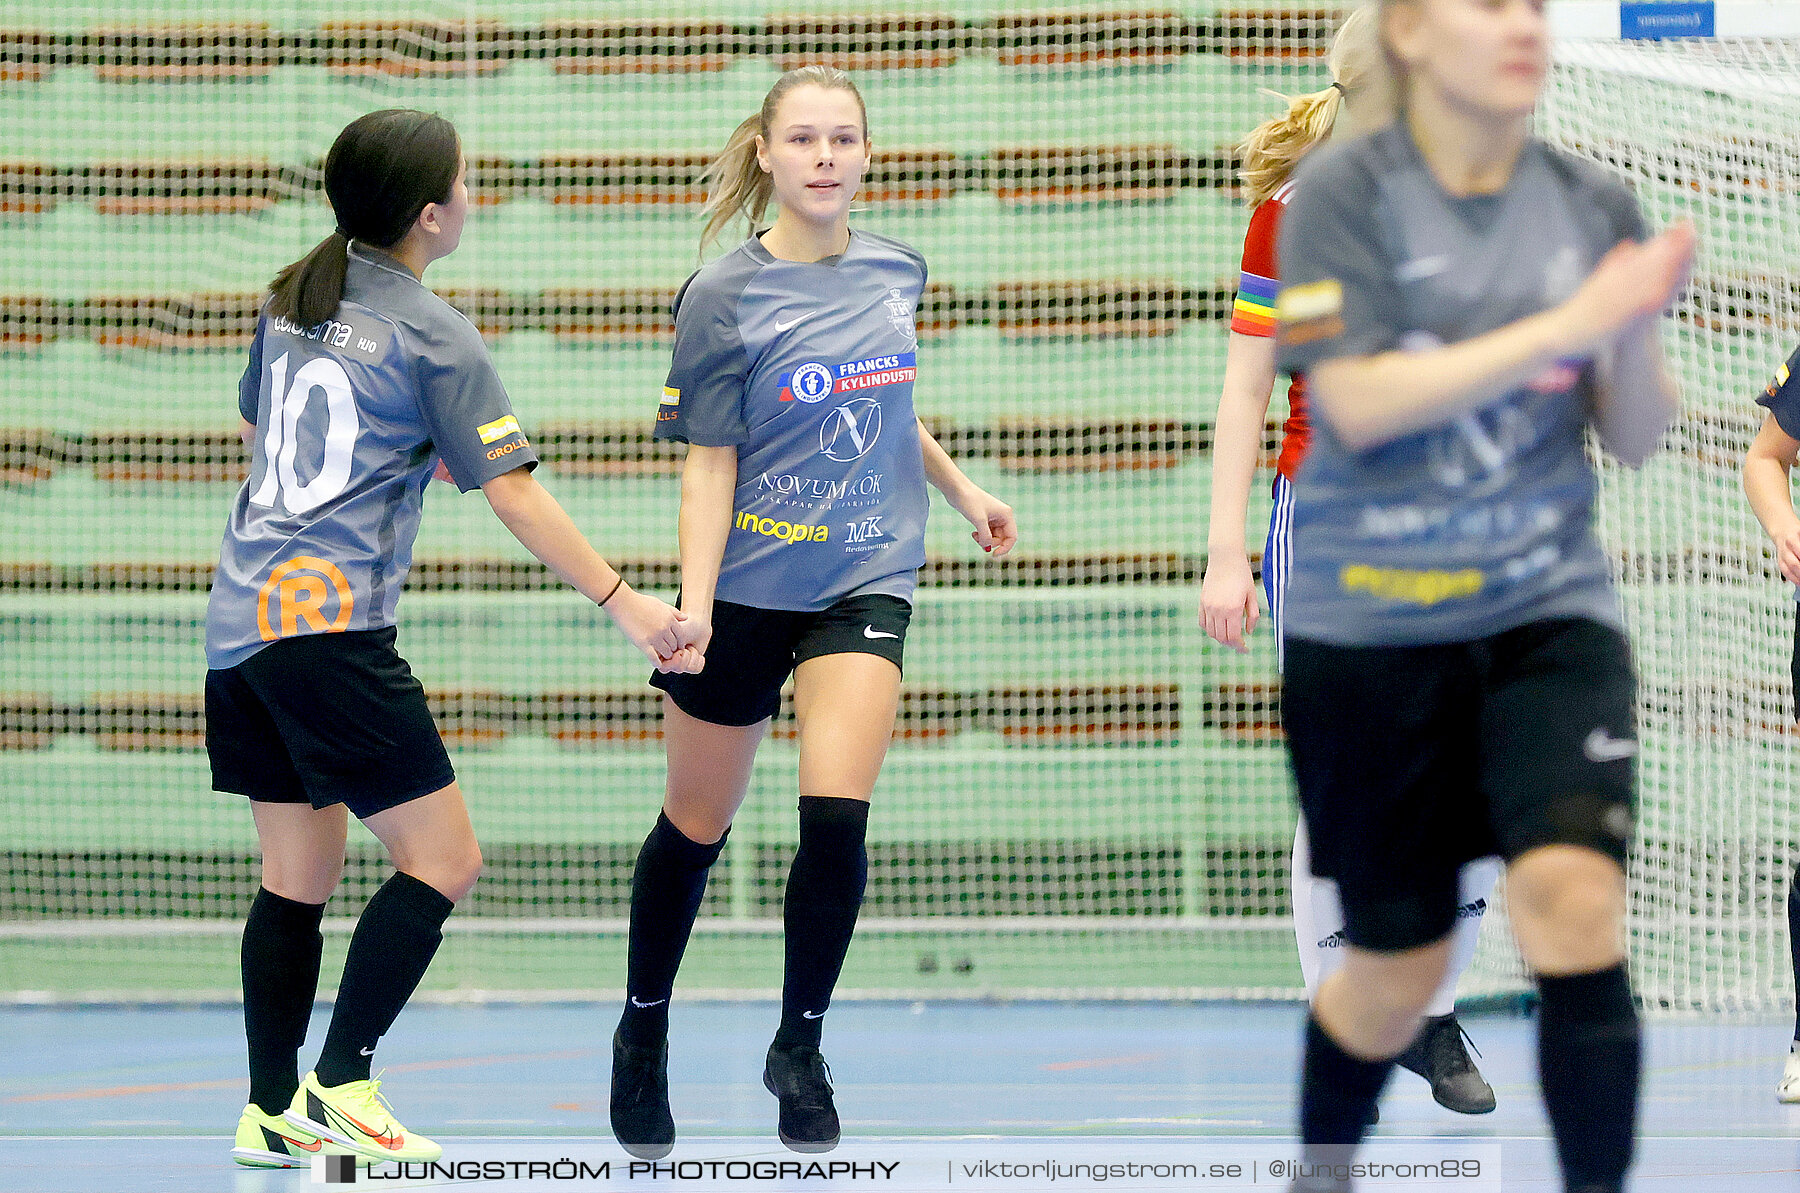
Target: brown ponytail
309,290
381,172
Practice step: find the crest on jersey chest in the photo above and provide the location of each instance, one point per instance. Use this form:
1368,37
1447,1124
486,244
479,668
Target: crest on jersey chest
1563,274
900,313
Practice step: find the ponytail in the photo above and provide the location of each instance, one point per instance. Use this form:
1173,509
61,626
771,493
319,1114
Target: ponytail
1275,147
308,291
1361,95
737,184
382,171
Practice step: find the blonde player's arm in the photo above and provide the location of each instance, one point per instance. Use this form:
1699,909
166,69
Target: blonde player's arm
1228,608
708,492
1766,469
996,527
545,529
1372,400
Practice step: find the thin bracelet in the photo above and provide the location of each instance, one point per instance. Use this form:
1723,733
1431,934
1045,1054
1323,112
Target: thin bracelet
615,592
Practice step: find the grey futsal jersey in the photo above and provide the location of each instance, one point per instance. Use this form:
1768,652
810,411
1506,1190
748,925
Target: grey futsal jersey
807,369
351,417
1481,523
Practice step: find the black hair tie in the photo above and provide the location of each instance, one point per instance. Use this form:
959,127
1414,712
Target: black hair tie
1341,89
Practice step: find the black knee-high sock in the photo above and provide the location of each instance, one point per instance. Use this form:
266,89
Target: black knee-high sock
1337,1093
824,894
1794,943
666,889
1589,1050
280,965
390,950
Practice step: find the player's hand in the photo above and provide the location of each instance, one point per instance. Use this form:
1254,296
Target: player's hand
996,526
695,633
1228,609
1631,282
1787,555
651,625
442,472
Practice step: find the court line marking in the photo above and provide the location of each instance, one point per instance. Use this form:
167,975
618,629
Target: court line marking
1101,1062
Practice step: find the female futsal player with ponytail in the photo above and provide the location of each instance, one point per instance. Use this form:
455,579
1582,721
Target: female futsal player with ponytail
1466,301
802,527
1228,609
1767,471
360,381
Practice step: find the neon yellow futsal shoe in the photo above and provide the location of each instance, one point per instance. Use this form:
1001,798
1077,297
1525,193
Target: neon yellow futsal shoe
356,1115
270,1141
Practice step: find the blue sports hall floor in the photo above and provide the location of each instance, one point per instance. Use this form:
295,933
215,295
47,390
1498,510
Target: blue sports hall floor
933,1096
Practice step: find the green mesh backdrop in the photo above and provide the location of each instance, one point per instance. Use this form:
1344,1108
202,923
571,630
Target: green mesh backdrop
1085,798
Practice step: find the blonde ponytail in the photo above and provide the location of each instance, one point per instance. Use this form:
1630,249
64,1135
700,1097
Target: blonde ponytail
1275,147
1361,94
736,182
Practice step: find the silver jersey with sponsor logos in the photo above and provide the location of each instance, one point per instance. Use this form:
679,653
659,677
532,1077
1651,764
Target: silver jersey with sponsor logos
351,418
1483,522
807,369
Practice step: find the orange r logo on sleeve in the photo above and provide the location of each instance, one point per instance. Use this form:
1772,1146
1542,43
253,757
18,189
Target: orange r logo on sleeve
303,597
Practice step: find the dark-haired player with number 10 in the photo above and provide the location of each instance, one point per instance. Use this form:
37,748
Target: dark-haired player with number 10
802,531
1466,302
360,381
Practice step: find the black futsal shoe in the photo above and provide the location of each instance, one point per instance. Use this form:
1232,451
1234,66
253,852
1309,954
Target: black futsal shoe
801,1082
1437,1054
641,1121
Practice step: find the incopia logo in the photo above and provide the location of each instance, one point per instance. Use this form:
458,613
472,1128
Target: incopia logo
791,532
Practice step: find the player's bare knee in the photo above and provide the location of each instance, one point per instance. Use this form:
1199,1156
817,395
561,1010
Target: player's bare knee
302,889
461,872
1398,984
1566,889
696,822
311,880
1577,913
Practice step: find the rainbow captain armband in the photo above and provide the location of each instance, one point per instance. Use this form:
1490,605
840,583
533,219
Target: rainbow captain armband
1253,314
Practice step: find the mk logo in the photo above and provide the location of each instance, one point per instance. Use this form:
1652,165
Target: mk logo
864,531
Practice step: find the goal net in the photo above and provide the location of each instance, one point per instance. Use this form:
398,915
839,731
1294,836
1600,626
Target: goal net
1085,798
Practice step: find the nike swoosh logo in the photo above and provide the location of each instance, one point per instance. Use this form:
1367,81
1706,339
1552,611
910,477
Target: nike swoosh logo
368,1052
870,631
391,1142
1424,267
1602,746
812,1015
780,326
658,1002
290,1141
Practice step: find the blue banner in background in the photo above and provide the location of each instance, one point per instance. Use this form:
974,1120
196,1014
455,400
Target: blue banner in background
1652,20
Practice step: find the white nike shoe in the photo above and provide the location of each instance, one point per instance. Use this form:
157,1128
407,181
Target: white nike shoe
1789,1089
